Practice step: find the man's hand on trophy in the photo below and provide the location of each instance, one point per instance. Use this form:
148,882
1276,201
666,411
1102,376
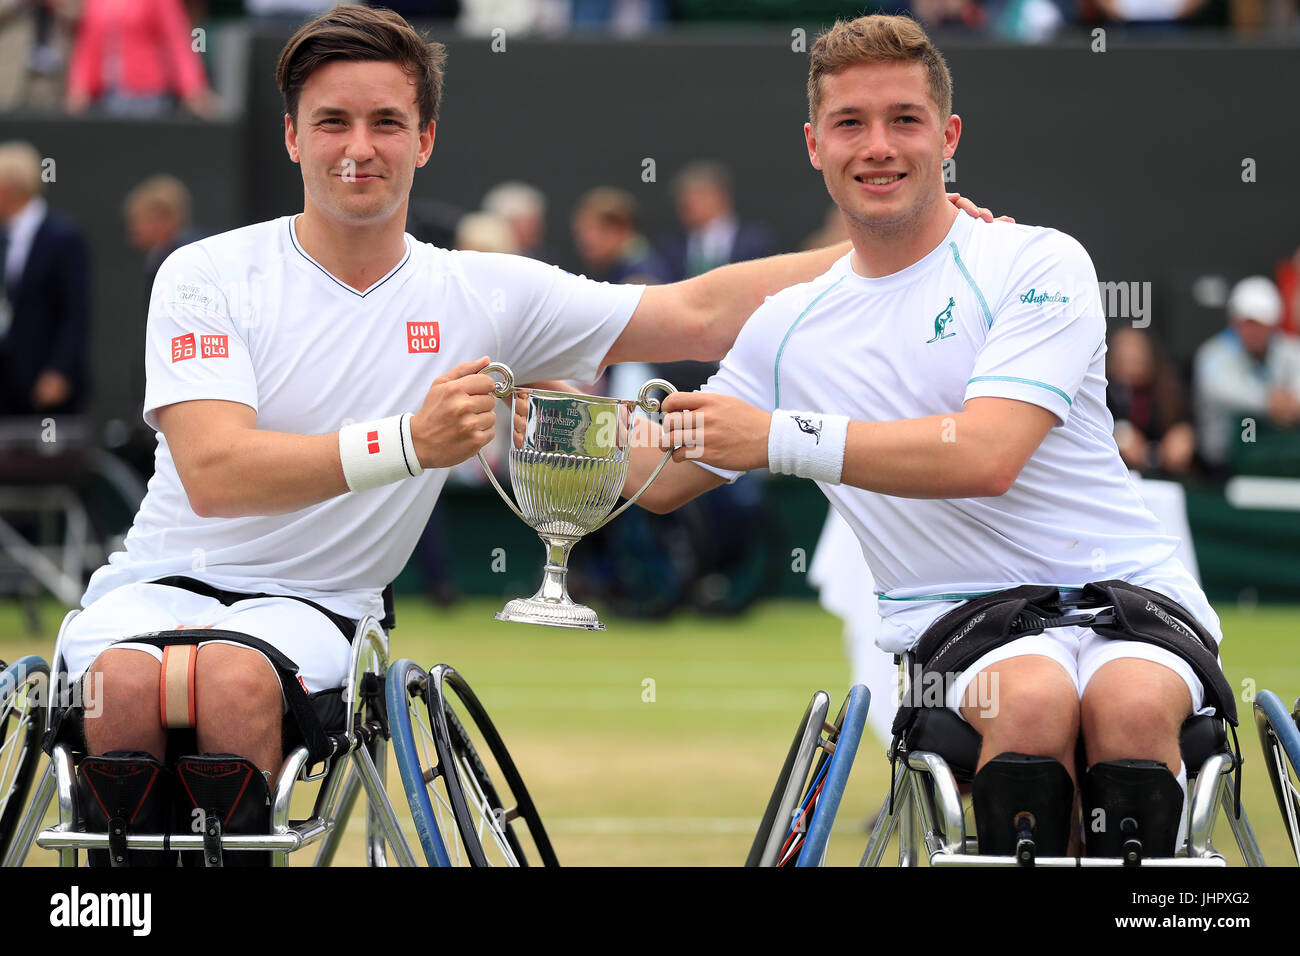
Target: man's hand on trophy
718,430
457,417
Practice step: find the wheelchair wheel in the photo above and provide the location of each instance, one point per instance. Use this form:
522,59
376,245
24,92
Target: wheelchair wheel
1279,736
24,689
465,792
823,800
778,818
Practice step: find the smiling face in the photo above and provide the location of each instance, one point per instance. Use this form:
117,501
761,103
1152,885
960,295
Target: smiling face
880,143
359,140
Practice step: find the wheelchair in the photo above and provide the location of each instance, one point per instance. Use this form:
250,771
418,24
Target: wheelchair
24,693
940,751
351,758
1279,737
796,825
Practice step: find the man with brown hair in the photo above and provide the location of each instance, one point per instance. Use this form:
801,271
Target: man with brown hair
311,380
944,384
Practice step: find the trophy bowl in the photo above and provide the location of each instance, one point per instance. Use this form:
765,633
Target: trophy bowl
567,475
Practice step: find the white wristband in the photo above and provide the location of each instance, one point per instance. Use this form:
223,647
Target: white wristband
378,453
807,444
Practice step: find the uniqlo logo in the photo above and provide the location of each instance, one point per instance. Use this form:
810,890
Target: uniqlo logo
214,346
373,439
422,337
183,347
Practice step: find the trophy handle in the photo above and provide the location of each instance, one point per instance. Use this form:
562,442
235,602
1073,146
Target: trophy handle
649,406
503,391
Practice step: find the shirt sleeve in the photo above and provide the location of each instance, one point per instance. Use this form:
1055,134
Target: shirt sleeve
193,347
1046,329
551,323
747,370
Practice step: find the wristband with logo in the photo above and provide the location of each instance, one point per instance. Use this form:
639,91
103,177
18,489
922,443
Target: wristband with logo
807,445
378,453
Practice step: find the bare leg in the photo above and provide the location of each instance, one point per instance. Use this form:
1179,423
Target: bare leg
1133,709
128,718
239,706
1035,710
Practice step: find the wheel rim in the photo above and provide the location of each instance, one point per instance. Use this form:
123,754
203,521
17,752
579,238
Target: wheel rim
22,708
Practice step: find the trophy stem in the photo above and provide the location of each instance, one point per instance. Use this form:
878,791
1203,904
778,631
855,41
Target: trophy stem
552,604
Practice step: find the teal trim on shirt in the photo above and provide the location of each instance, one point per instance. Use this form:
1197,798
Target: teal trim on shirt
1022,381
776,368
988,316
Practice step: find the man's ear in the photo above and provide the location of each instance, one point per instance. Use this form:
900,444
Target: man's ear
810,139
426,143
951,134
290,138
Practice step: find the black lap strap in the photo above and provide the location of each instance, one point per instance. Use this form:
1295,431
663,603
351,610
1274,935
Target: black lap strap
319,744
346,625
966,633
1145,615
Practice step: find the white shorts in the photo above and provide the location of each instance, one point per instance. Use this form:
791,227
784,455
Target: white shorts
303,634
1081,652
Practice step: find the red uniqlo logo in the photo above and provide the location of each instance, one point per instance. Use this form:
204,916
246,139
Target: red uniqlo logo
373,438
183,347
422,337
214,346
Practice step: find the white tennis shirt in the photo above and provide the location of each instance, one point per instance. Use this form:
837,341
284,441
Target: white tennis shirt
995,309
249,317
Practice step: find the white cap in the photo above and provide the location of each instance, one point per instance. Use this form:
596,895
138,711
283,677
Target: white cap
1255,298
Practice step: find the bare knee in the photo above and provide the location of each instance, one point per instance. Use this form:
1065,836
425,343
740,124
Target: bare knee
1035,710
125,715
1134,709
235,683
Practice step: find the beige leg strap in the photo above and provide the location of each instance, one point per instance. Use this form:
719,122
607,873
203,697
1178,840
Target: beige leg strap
176,688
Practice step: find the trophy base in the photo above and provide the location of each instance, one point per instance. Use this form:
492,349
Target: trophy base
550,613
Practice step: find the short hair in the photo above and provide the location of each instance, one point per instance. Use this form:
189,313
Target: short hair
485,232
20,167
704,172
161,194
611,206
362,34
877,39
515,200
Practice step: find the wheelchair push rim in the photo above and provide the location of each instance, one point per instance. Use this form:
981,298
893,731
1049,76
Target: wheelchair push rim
460,815
24,688
1279,737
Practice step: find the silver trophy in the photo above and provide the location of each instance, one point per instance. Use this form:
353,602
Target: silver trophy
567,476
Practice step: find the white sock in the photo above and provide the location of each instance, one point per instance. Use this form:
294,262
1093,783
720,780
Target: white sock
1182,816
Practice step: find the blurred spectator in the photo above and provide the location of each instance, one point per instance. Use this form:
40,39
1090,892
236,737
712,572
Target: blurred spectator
711,235
484,232
1152,428
612,249
950,15
44,294
299,9
1250,369
135,58
1153,13
620,17
418,9
158,222
524,208
34,40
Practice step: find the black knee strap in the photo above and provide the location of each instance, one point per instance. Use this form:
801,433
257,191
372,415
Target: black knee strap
221,793
1131,809
124,792
1022,807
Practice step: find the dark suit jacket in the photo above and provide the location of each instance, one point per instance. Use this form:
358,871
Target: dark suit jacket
51,305
752,242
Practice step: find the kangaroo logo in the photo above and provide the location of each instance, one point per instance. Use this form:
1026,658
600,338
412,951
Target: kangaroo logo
941,322
808,428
